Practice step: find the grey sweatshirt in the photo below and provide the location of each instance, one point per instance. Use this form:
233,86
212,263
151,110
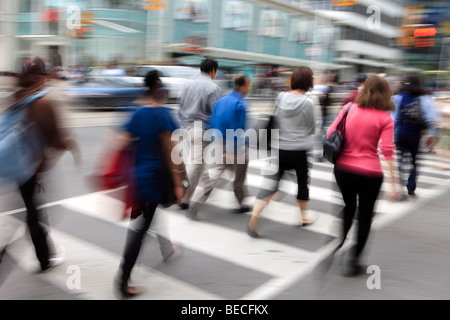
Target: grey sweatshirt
295,117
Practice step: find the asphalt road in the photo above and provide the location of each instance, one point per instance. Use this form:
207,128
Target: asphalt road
408,250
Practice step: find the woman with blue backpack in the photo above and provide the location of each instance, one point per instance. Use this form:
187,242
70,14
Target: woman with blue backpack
416,116
29,128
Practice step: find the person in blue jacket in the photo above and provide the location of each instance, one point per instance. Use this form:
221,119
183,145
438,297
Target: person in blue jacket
408,137
228,114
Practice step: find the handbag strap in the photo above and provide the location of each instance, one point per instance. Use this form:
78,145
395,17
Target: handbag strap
344,119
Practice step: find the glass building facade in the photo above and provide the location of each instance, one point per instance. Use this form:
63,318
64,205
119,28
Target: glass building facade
130,32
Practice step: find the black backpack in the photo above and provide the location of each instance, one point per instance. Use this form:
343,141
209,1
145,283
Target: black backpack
413,115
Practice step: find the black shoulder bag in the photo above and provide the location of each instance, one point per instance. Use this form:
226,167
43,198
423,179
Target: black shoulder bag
332,145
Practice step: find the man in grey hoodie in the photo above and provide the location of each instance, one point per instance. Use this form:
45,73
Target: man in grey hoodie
196,104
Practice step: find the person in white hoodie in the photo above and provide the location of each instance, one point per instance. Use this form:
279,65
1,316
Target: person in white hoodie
295,117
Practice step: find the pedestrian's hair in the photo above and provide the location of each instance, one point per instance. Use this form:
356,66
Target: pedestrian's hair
302,79
209,65
240,80
412,85
33,74
361,78
152,80
155,86
377,93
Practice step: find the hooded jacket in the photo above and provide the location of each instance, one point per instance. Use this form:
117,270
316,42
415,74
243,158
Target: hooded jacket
295,117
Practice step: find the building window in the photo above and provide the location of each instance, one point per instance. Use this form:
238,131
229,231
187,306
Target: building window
272,23
237,15
192,10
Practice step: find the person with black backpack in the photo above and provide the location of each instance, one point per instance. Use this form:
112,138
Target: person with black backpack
415,117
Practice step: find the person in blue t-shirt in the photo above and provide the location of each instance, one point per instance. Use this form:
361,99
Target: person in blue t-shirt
148,130
229,113
407,136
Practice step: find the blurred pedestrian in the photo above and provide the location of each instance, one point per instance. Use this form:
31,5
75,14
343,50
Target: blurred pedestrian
360,79
149,132
295,119
47,137
358,169
196,104
229,114
324,92
408,136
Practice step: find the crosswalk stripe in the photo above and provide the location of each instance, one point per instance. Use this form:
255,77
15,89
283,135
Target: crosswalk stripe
97,269
207,238
264,255
280,261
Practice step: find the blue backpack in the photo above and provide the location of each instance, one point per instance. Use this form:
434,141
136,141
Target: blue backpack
21,144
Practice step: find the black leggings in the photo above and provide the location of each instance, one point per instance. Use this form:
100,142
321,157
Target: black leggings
135,237
297,160
38,230
358,191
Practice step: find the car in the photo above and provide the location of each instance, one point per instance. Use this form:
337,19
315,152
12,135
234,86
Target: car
172,76
100,91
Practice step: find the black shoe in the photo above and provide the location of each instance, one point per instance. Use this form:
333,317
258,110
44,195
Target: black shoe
51,263
253,233
243,209
355,270
183,206
411,192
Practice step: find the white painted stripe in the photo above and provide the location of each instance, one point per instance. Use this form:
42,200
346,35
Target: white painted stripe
280,212
221,242
332,196
53,203
263,255
98,267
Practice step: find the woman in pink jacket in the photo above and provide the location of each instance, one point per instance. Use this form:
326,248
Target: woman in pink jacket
358,170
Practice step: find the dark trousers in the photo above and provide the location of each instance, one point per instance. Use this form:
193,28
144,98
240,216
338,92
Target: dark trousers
297,160
408,144
134,240
359,192
38,231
